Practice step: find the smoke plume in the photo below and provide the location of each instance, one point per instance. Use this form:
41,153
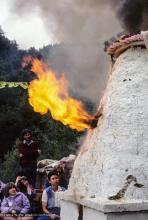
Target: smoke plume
133,14
82,26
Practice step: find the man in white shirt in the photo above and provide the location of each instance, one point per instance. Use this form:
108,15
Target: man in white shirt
50,210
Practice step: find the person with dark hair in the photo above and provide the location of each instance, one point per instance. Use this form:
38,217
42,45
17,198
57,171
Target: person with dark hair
48,198
24,187
61,170
2,186
28,152
14,203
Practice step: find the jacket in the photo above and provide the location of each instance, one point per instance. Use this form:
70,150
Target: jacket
51,196
19,202
30,154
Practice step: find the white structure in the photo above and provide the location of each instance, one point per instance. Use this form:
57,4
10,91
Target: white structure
114,158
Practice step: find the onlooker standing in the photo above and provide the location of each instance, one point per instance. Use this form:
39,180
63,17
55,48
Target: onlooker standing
28,152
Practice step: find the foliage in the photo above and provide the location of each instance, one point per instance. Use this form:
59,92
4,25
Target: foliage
55,139
10,166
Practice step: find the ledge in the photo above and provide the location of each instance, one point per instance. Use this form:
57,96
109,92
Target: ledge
106,206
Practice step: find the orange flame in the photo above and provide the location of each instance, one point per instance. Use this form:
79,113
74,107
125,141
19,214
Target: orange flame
47,93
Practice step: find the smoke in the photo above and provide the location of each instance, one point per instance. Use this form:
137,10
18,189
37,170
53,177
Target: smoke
82,26
133,14
72,20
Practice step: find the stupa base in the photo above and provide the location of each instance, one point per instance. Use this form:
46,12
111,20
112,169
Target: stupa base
73,208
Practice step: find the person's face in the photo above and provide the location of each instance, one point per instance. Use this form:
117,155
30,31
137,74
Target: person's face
27,136
59,170
25,182
54,180
12,191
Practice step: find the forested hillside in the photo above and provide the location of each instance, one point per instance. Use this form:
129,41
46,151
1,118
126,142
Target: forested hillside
56,140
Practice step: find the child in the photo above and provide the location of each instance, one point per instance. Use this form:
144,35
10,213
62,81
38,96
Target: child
15,204
2,186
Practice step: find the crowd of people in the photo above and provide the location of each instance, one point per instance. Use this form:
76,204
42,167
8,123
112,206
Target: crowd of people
19,200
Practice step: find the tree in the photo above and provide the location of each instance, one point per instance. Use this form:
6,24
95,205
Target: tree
10,165
56,140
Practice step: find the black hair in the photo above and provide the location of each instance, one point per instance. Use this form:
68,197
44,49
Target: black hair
21,187
24,131
52,173
23,178
8,187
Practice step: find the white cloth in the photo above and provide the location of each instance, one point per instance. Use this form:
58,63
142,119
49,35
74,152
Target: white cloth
145,36
54,200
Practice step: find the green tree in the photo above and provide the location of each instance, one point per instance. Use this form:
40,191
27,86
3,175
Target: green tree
56,140
10,165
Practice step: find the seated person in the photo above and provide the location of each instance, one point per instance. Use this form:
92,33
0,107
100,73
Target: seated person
15,203
24,187
48,198
62,172
2,186
62,177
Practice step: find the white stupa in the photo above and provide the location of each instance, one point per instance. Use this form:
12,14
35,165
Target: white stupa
112,166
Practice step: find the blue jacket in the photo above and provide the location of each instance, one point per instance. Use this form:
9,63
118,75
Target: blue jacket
51,200
51,196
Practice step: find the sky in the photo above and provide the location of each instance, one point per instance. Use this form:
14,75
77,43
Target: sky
81,25
38,23
27,30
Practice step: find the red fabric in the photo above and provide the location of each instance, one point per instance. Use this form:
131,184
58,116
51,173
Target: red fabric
30,154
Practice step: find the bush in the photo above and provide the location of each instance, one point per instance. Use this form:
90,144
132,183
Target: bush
10,165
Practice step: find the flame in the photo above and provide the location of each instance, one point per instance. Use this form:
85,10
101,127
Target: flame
47,93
